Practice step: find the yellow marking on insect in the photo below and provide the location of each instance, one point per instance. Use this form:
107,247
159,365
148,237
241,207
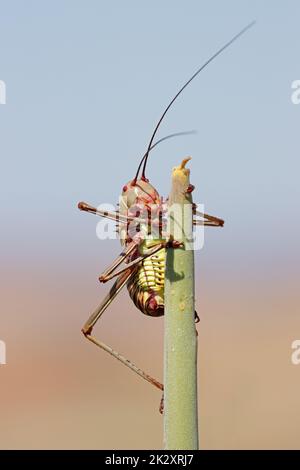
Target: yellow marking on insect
151,273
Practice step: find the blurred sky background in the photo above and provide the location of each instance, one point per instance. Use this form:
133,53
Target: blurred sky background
86,82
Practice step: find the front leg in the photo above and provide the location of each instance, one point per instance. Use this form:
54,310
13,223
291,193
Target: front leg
112,215
110,272
106,276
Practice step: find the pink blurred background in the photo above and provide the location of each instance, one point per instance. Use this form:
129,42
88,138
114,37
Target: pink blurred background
59,391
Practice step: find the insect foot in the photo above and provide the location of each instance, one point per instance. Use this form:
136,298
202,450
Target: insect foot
83,206
161,405
197,318
174,244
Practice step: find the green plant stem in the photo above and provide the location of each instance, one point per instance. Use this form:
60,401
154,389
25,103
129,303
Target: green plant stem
180,341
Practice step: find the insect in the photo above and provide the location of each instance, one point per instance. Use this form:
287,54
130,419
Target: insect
141,221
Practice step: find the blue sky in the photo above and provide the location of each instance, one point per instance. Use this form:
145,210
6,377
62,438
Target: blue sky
86,83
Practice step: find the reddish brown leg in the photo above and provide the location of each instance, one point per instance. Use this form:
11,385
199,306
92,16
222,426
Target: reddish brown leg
128,250
209,220
150,252
84,206
96,315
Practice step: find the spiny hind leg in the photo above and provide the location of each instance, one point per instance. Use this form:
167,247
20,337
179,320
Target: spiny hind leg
125,274
88,327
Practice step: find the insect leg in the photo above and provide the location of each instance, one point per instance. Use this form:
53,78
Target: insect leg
88,327
150,252
106,275
206,223
84,206
210,220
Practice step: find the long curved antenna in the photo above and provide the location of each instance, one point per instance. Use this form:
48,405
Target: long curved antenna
176,134
145,157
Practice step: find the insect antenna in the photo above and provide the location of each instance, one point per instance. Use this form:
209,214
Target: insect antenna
145,157
176,134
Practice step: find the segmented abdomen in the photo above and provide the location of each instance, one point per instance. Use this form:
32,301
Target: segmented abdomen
146,287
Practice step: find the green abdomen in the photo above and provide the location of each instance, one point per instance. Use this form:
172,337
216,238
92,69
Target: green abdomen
146,288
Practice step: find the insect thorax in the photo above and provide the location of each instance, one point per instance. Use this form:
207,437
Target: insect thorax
141,204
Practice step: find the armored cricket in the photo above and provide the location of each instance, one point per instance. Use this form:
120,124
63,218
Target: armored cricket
142,228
